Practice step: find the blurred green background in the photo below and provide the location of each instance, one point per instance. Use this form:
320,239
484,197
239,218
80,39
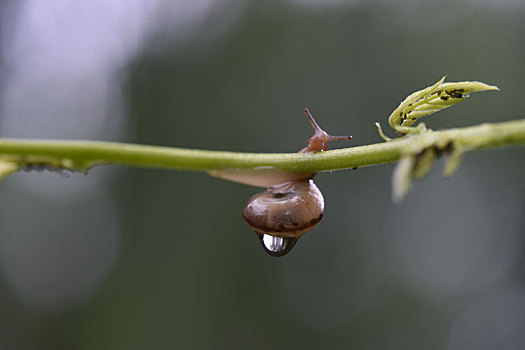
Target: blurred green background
153,259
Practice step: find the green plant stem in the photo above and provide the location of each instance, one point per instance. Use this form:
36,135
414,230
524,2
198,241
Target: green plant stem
82,155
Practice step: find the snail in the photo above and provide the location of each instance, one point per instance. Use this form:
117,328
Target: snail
287,210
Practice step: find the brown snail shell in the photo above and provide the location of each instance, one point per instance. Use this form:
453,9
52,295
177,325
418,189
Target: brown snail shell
283,213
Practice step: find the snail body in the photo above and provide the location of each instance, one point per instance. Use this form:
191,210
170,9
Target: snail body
285,211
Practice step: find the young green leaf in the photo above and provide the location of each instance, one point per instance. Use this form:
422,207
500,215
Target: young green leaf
430,100
402,178
7,168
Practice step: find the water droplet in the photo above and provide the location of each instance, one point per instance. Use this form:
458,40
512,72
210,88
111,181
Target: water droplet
277,246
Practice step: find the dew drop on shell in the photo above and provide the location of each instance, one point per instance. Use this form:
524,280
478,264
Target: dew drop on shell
277,246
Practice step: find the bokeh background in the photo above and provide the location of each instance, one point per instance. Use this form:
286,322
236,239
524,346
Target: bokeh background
151,259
